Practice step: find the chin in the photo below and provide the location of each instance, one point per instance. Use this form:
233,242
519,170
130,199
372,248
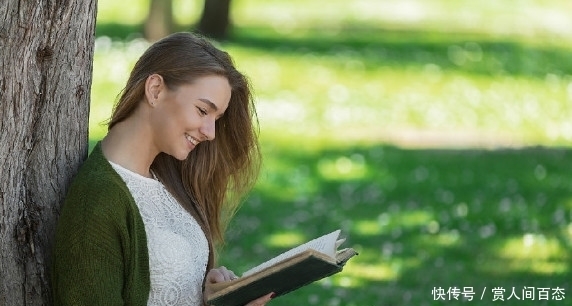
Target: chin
181,155
179,158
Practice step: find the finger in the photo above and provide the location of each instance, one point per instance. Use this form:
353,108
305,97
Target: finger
223,274
232,275
215,276
228,275
262,300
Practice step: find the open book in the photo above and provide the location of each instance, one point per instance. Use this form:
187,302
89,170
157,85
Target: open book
295,268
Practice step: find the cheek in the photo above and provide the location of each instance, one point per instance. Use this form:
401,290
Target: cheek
162,125
188,118
171,114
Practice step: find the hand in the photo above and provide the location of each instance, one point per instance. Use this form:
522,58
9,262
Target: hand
261,301
222,274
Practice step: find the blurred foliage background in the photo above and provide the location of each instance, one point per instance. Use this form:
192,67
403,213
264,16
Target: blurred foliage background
434,133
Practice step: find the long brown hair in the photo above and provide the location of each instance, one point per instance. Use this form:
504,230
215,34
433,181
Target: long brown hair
211,181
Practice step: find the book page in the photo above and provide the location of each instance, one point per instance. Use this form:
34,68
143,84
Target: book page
325,244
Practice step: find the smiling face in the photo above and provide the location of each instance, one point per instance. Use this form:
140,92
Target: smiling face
183,117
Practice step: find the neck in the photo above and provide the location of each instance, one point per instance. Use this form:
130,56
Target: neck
129,145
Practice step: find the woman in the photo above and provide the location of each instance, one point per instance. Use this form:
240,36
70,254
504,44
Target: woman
142,218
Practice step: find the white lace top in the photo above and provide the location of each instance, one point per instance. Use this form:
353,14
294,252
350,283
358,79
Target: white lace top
178,248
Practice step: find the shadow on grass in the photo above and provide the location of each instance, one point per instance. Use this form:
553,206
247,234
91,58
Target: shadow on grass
377,47
388,47
422,219
119,31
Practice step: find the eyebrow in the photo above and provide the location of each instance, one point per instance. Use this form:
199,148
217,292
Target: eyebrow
209,103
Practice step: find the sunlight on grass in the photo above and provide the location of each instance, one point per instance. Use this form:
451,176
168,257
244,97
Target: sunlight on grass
343,168
126,12
448,239
371,272
568,204
284,239
135,11
533,252
187,11
311,96
567,232
407,219
426,97
113,61
367,227
531,246
533,19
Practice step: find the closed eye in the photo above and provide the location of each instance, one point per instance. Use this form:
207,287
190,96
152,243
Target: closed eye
202,111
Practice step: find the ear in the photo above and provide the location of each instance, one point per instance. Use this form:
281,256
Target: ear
153,87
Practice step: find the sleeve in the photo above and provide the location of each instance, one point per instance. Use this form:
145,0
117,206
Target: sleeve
88,261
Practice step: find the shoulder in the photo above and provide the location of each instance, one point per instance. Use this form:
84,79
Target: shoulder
98,191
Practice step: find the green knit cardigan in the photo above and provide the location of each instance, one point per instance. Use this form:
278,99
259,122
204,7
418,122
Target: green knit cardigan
100,255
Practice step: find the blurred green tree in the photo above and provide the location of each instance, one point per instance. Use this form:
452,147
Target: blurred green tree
159,22
215,19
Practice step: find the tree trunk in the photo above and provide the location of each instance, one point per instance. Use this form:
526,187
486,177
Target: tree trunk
159,22
215,19
46,55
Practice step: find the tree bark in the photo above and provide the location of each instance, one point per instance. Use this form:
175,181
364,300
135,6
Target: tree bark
46,55
215,19
159,21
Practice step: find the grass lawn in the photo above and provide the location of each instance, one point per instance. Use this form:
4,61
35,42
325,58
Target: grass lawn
435,134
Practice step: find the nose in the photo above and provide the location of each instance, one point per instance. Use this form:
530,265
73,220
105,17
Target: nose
208,129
